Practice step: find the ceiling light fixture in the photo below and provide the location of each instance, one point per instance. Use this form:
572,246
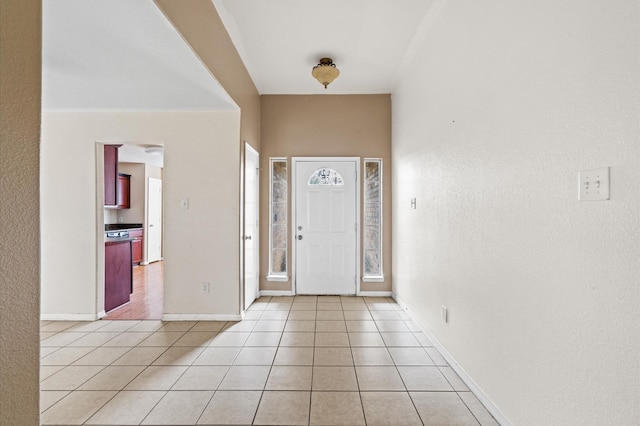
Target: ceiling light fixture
154,150
325,72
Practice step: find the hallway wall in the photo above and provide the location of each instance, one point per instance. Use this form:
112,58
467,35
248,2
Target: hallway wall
20,78
503,103
200,243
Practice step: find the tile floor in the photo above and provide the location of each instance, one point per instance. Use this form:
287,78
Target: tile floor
303,360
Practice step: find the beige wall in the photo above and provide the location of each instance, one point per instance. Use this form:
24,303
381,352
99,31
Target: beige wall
200,243
324,125
20,63
138,199
502,106
202,29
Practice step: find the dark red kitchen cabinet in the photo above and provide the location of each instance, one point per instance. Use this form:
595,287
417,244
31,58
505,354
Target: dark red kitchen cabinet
111,175
118,275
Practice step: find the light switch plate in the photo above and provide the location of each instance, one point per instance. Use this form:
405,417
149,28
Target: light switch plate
594,184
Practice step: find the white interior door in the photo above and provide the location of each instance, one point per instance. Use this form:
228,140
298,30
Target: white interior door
251,200
325,226
153,239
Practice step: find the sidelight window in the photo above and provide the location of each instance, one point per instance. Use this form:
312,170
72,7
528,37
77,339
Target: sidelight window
278,219
372,225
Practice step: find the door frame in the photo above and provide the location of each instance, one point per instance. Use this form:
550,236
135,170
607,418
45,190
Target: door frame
255,238
294,218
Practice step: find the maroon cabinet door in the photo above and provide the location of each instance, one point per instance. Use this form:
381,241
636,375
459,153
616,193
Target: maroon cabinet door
118,279
110,174
123,191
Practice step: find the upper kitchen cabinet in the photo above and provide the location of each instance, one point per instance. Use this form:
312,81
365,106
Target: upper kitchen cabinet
123,191
116,185
111,175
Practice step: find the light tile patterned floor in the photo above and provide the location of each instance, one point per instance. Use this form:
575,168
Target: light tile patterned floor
304,360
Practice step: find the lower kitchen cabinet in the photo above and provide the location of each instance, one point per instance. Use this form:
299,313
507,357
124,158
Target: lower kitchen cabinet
137,245
118,274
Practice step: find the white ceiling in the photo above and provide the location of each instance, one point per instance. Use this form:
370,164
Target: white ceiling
125,55
280,41
121,55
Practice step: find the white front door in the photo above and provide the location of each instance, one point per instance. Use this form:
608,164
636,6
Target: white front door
154,219
251,200
325,225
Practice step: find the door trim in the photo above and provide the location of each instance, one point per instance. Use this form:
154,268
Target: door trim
294,219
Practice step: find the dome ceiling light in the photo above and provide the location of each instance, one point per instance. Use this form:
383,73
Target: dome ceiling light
325,72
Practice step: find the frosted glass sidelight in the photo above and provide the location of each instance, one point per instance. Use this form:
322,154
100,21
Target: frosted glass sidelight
372,226
278,217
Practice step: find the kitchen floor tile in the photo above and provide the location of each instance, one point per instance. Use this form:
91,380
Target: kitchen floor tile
334,379
479,411
295,315
283,408
293,378
331,326
179,355
361,326
442,408
179,408
332,356
389,409
112,378
208,326
336,408
297,339
75,408
156,378
329,315
379,379
70,378
129,338
300,325
217,356
410,356
48,398
365,339
65,356
425,378
269,325
294,356
332,339
228,338
102,356
231,408
400,339
263,338
454,380
201,377
371,356
255,356
196,338
162,338
126,408
245,377
140,355
97,338
62,338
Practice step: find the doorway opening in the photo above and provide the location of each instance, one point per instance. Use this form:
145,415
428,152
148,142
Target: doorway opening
135,223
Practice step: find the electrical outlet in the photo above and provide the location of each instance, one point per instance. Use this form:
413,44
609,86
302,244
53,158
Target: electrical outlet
205,288
184,203
445,314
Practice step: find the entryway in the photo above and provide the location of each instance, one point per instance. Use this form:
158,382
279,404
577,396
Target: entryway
325,220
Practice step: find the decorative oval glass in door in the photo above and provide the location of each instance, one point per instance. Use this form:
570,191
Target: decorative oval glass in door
325,176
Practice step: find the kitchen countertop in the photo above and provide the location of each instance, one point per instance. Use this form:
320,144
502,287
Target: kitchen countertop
122,226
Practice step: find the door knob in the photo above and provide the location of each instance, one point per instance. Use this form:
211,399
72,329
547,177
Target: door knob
247,237
299,237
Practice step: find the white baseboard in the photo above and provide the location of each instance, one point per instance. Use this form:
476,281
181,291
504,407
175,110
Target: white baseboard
69,317
201,317
466,378
102,314
276,293
375,294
